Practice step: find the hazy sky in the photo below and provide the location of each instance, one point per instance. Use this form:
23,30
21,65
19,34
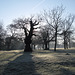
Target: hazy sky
11,9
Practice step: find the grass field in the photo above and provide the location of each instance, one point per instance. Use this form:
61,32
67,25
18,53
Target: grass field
39,62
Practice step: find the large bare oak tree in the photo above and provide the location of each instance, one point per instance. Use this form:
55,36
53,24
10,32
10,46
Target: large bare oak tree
28,25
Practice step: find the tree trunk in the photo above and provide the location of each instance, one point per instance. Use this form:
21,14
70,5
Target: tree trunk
45,46
28,48
55,43
34,47
55,39
48,45
64,43
69,42
28,44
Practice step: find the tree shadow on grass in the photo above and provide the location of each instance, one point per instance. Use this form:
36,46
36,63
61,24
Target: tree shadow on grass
66,71
22,65
57,51
66,51
63,51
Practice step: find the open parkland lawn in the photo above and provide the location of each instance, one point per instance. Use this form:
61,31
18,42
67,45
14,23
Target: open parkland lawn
39,62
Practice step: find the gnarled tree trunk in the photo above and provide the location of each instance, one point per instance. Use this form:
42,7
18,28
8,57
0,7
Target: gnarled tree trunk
28,42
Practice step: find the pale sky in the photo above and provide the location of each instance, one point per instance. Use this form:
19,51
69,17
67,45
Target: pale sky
11,9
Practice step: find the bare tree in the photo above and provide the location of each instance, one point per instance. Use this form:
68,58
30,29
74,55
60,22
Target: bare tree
2,37
28,25
46,36
54,19
67,30
12,36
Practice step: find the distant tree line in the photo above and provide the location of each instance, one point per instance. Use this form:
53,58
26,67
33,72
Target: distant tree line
43,29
